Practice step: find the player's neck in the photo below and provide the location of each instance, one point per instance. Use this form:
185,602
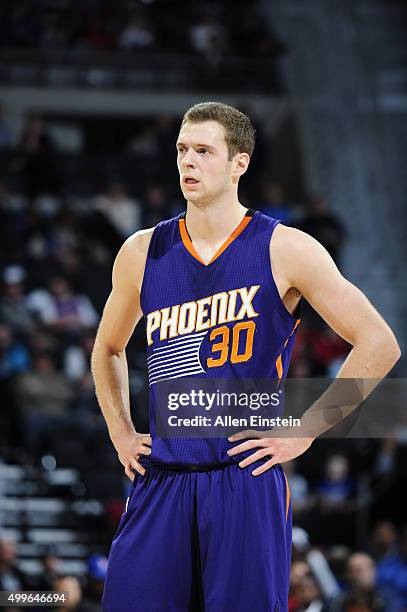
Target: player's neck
215,222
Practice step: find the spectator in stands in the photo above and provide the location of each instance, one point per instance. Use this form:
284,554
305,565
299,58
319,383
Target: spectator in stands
44,390
209,38
121,211
300,570
14,357
43,341
392,570
14,307
137,36
65,235
45,396
11,578
309,598
63,310
324,226
361,582
337,488
70,585
384,542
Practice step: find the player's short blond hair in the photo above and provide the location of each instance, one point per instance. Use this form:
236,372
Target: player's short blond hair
239,132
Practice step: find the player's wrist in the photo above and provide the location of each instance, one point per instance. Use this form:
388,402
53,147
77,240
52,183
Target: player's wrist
119,430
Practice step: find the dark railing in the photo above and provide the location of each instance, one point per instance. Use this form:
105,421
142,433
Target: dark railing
155,71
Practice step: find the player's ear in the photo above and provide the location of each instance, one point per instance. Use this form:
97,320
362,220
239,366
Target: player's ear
240,163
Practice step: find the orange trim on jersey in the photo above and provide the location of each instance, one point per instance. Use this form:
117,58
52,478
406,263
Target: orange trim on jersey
287,497
244,222
187,241
190,247
279,360
279,367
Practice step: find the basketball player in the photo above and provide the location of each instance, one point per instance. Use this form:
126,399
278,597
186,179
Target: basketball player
208,522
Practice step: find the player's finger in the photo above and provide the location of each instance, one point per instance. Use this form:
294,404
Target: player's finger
242,435
146,440
240,448
144,450
137,466
129,473
263,452
266,466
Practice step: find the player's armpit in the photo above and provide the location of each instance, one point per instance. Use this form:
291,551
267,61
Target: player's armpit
305,264
123,310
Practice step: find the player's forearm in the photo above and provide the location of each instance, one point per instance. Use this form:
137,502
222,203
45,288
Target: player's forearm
111,378
372,357
369,361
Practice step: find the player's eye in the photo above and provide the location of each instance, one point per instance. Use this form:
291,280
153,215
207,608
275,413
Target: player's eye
203,150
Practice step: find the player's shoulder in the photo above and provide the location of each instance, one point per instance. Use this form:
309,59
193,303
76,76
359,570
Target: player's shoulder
138,242
130,261
291,241
137,245
282,236
133,252
294,254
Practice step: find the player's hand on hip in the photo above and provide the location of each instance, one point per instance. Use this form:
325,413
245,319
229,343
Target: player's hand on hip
130,446
278,448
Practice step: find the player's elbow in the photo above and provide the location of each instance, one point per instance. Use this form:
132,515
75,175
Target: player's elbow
387,347
396,351
103,349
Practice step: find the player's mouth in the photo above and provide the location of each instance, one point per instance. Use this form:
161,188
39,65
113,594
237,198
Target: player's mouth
190,180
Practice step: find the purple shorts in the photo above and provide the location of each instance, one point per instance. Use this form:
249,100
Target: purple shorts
216,540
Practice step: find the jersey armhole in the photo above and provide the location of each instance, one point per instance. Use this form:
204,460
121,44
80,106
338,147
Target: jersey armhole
292,318
149,250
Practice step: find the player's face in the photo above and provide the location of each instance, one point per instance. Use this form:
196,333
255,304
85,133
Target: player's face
205,170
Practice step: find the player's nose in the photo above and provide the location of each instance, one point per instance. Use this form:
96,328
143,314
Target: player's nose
188,161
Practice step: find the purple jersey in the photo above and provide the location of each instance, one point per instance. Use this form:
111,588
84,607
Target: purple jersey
224,319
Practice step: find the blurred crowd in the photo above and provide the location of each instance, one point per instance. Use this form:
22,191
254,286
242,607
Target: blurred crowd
210,31
202,45
82,595
337,579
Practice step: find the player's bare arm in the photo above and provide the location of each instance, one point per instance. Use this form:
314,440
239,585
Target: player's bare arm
121,314
298,261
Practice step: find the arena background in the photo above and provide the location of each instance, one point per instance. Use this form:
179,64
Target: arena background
91,96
